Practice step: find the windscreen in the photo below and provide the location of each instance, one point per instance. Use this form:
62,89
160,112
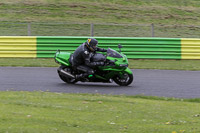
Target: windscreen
113,53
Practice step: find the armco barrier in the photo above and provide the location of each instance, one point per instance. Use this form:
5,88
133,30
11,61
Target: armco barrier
135,48
190,48
15,46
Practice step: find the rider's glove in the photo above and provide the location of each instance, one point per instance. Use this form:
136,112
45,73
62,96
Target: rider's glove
100,63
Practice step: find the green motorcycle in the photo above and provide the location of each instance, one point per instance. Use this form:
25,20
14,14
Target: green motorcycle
115,68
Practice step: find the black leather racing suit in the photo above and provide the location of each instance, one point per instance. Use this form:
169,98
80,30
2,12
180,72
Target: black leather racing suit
81,59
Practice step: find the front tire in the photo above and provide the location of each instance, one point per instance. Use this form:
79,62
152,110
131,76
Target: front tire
64,78
126,80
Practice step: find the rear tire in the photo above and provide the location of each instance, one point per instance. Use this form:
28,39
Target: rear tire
64,78
125,81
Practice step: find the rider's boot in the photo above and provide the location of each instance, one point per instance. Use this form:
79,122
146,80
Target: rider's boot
81,76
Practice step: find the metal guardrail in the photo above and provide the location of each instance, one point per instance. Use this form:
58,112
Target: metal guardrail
99,29
190,48
133,47
18,46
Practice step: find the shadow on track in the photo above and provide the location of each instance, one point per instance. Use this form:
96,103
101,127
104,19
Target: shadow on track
94,85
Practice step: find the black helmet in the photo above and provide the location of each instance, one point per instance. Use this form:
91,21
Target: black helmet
92,44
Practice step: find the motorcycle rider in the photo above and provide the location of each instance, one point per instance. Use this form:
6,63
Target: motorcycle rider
81,58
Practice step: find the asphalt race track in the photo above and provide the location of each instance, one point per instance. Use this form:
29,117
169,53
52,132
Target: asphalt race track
167,83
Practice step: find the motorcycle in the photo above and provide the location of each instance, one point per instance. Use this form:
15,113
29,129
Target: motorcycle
115,68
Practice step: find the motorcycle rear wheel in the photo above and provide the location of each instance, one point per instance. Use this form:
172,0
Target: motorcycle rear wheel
127,80
66,79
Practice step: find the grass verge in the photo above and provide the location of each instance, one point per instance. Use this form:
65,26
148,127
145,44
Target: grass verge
103,11
193,65
170,18
34,112
28,62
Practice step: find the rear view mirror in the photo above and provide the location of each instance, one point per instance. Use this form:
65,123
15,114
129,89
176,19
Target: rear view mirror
120,46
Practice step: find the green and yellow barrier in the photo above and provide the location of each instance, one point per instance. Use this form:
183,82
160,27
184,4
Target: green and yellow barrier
135,48
190,48
15,46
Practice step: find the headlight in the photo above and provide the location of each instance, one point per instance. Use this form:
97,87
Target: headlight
123,65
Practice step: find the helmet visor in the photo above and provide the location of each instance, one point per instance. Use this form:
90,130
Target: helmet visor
95,47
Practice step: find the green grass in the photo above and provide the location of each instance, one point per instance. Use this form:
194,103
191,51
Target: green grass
28,62
133,64
115,11
45,16
41,112
193,65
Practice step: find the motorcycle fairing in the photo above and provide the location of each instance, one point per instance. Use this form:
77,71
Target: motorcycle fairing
63,58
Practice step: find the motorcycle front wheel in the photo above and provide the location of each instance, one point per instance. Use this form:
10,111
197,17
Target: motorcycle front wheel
66,79
124,80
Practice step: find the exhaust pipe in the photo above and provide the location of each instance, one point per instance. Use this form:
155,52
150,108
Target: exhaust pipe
64,73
